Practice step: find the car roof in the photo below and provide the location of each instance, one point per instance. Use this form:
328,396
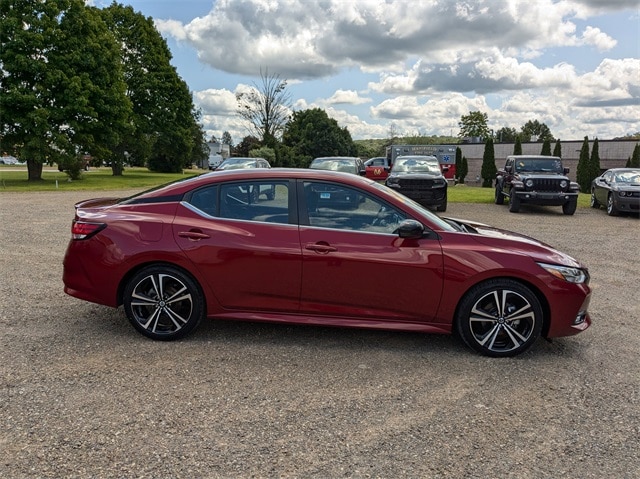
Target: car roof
255,174
415,157
534,157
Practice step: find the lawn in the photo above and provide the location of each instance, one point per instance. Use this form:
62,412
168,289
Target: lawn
101,179
96,179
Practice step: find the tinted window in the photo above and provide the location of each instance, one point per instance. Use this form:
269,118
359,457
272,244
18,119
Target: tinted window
331,205
206,199
266,201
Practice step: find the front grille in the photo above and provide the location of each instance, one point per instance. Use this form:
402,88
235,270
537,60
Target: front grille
413,184
546,184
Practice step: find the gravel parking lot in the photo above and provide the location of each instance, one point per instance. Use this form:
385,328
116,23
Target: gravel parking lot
83,395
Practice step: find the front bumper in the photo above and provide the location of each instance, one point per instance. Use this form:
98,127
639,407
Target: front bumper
545,198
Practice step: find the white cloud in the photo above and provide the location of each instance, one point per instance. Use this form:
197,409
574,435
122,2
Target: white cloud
350,97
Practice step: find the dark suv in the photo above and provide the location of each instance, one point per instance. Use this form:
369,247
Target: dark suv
536,180
419,178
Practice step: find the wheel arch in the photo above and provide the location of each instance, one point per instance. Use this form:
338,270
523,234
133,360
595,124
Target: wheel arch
544,304
137,268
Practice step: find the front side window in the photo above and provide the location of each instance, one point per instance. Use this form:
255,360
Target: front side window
335,206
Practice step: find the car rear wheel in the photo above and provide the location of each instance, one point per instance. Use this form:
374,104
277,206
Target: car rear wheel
164,303
594,203
514,203
499,318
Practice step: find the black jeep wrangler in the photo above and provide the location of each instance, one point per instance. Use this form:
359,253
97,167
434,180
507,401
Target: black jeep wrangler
536,180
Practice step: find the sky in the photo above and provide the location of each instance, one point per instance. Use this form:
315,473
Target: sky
414,67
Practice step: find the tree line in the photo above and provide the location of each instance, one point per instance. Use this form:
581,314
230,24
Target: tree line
77,80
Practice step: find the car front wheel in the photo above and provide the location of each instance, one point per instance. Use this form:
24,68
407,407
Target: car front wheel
514,203
611,206
499,318
163,303
499,199
594,203
569,207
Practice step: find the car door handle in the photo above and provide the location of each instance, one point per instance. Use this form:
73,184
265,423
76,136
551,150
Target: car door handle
320,247
193,235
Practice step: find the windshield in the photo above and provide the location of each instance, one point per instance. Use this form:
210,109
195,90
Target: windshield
630,177
552,165
416,165
334,164
237,163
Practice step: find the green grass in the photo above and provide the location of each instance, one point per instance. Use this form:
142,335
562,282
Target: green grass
476,194
96,179
101,179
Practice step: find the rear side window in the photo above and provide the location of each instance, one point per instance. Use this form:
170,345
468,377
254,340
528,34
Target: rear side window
264,201
206,200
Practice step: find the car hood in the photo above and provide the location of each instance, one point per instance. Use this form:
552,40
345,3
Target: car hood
516,242
430,176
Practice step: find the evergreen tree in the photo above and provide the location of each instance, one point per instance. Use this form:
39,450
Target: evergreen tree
594,163
517,147
634,161
458,161
488,170
464,171
557,150
582,170
546,148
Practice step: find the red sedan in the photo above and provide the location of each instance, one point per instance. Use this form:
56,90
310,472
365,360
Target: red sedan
326,249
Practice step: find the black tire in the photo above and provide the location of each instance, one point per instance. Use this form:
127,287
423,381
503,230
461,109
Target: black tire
611,207
442,207
594,203
499,318
164,303
499,199
514,203
569,207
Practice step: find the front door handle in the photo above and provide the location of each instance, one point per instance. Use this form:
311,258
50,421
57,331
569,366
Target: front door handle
323,248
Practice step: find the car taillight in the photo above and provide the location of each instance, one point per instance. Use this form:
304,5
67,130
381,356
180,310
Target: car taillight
83,230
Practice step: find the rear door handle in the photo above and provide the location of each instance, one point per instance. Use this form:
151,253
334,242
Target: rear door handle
193,235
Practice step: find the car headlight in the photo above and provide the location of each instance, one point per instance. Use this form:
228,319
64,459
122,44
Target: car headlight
563,184
566,273
529,183
392,180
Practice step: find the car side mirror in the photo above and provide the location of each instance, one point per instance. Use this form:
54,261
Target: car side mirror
410,229
508,168
445,169
566,171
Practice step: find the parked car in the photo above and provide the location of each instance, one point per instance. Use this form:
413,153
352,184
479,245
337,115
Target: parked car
421,179
618,189
377,168
190,250
214,161
536,180
8,160
240,163
346,164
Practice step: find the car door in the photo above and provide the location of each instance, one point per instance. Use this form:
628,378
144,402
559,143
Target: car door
603,186
376,169
355,266
246,245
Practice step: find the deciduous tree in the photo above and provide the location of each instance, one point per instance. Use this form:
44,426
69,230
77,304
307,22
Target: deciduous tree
312,133
63,94
474,125
265,107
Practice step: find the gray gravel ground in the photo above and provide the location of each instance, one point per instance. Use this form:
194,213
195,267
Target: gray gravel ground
83,395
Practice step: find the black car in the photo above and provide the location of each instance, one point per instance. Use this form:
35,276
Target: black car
419,178
346,164
618,189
